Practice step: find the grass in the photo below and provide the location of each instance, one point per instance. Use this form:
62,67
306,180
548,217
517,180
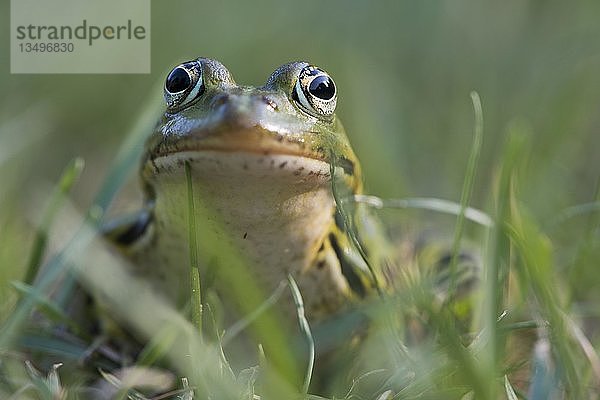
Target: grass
524,193
519,296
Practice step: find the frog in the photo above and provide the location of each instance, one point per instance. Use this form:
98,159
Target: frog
266,161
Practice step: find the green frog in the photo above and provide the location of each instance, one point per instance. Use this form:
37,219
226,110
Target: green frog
264,160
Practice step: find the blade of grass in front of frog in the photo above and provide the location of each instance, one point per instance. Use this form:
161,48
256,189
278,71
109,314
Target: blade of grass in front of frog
586,347
69,177
242,324
356,381
427,203
349,225
467,190
305,328
508,389
225,366
158,346
575,211
196,291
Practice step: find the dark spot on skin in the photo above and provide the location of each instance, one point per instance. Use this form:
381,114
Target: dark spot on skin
283,164
272,162
321,264
347,165
447,259
245,235
154,165
322,247
297,172
245,166
348,271
339,220
135,230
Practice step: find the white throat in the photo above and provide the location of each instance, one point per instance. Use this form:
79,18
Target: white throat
276,209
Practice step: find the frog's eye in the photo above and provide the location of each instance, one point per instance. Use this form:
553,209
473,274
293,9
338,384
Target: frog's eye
315,92
183,85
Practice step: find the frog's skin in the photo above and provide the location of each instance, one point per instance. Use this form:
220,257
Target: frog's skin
261,160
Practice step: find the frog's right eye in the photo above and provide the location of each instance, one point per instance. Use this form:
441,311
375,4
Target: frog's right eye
183,85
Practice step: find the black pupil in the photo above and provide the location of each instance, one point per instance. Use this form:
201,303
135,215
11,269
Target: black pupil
322,87
178,80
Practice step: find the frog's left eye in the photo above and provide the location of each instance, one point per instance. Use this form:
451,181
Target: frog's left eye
315,92
183,85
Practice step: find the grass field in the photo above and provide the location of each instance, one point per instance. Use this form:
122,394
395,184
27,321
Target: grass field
406,73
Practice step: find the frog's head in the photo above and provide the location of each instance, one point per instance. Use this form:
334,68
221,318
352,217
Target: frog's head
291,118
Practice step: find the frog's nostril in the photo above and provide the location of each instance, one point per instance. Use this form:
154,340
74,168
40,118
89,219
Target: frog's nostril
270,103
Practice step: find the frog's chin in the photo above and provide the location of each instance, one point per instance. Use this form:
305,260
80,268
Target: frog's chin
251,192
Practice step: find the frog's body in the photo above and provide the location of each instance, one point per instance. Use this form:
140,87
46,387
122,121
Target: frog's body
261,161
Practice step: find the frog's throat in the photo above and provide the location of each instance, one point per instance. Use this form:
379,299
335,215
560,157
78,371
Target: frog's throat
258,202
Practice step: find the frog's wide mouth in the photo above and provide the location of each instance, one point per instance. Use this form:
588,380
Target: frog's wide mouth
245,141
255,140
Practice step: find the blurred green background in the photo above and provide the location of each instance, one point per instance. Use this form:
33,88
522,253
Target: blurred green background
404,70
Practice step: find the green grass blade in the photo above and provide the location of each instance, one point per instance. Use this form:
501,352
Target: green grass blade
68,178
305,329
195,283
510,392
467,190
245,322
497,260
350,226
427,203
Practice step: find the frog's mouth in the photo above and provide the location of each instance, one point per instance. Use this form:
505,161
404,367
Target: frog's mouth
256,140
251,146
